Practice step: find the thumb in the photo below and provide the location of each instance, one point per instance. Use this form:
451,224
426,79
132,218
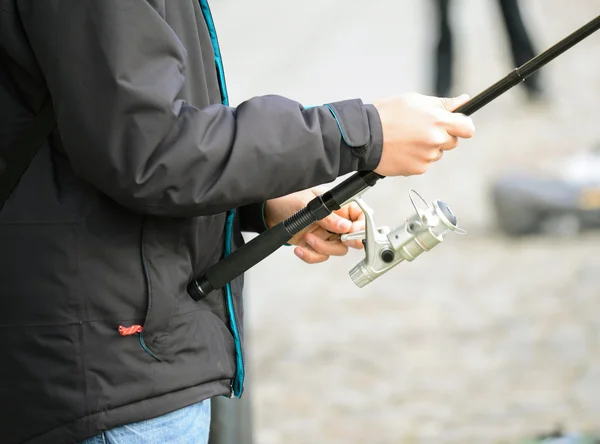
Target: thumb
451,103
335,224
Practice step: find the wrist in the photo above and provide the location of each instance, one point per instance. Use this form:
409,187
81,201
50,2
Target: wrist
267,214
266,221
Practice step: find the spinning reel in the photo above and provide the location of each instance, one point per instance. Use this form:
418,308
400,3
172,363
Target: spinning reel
385,248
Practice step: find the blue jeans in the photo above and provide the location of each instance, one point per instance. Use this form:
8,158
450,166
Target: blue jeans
189,425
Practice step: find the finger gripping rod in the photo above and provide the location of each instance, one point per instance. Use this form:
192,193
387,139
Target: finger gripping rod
268,242
321,206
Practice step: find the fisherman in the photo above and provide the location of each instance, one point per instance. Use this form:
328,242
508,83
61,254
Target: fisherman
147,176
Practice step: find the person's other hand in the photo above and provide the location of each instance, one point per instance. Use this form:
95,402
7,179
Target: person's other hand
417,129
319,241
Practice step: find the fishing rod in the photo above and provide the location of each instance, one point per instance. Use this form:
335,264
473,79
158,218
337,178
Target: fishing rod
384,248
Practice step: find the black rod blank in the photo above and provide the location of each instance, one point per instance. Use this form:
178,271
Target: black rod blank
528,68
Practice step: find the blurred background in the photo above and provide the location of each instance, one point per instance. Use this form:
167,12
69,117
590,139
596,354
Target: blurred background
493,337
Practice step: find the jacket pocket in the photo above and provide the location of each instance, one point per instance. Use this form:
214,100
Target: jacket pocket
159,266
171,251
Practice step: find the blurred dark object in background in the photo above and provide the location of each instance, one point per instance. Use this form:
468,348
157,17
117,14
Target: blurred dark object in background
558,436
560,206
521,48
564,439
231,420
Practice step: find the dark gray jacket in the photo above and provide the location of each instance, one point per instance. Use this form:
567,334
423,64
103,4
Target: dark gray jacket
126,201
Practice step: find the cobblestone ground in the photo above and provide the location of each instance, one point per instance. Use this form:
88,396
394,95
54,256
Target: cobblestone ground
483,340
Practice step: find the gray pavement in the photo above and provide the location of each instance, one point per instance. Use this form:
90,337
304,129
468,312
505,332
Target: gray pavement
484,339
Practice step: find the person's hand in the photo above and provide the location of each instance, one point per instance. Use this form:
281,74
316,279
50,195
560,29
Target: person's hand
322,239
417,130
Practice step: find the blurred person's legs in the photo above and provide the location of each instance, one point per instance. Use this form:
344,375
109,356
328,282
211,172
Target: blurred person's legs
521,45
189,425
443,59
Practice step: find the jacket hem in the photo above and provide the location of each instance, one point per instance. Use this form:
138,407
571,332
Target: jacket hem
96,423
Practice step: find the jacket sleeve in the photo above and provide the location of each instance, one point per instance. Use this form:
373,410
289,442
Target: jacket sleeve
252,218
115,68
